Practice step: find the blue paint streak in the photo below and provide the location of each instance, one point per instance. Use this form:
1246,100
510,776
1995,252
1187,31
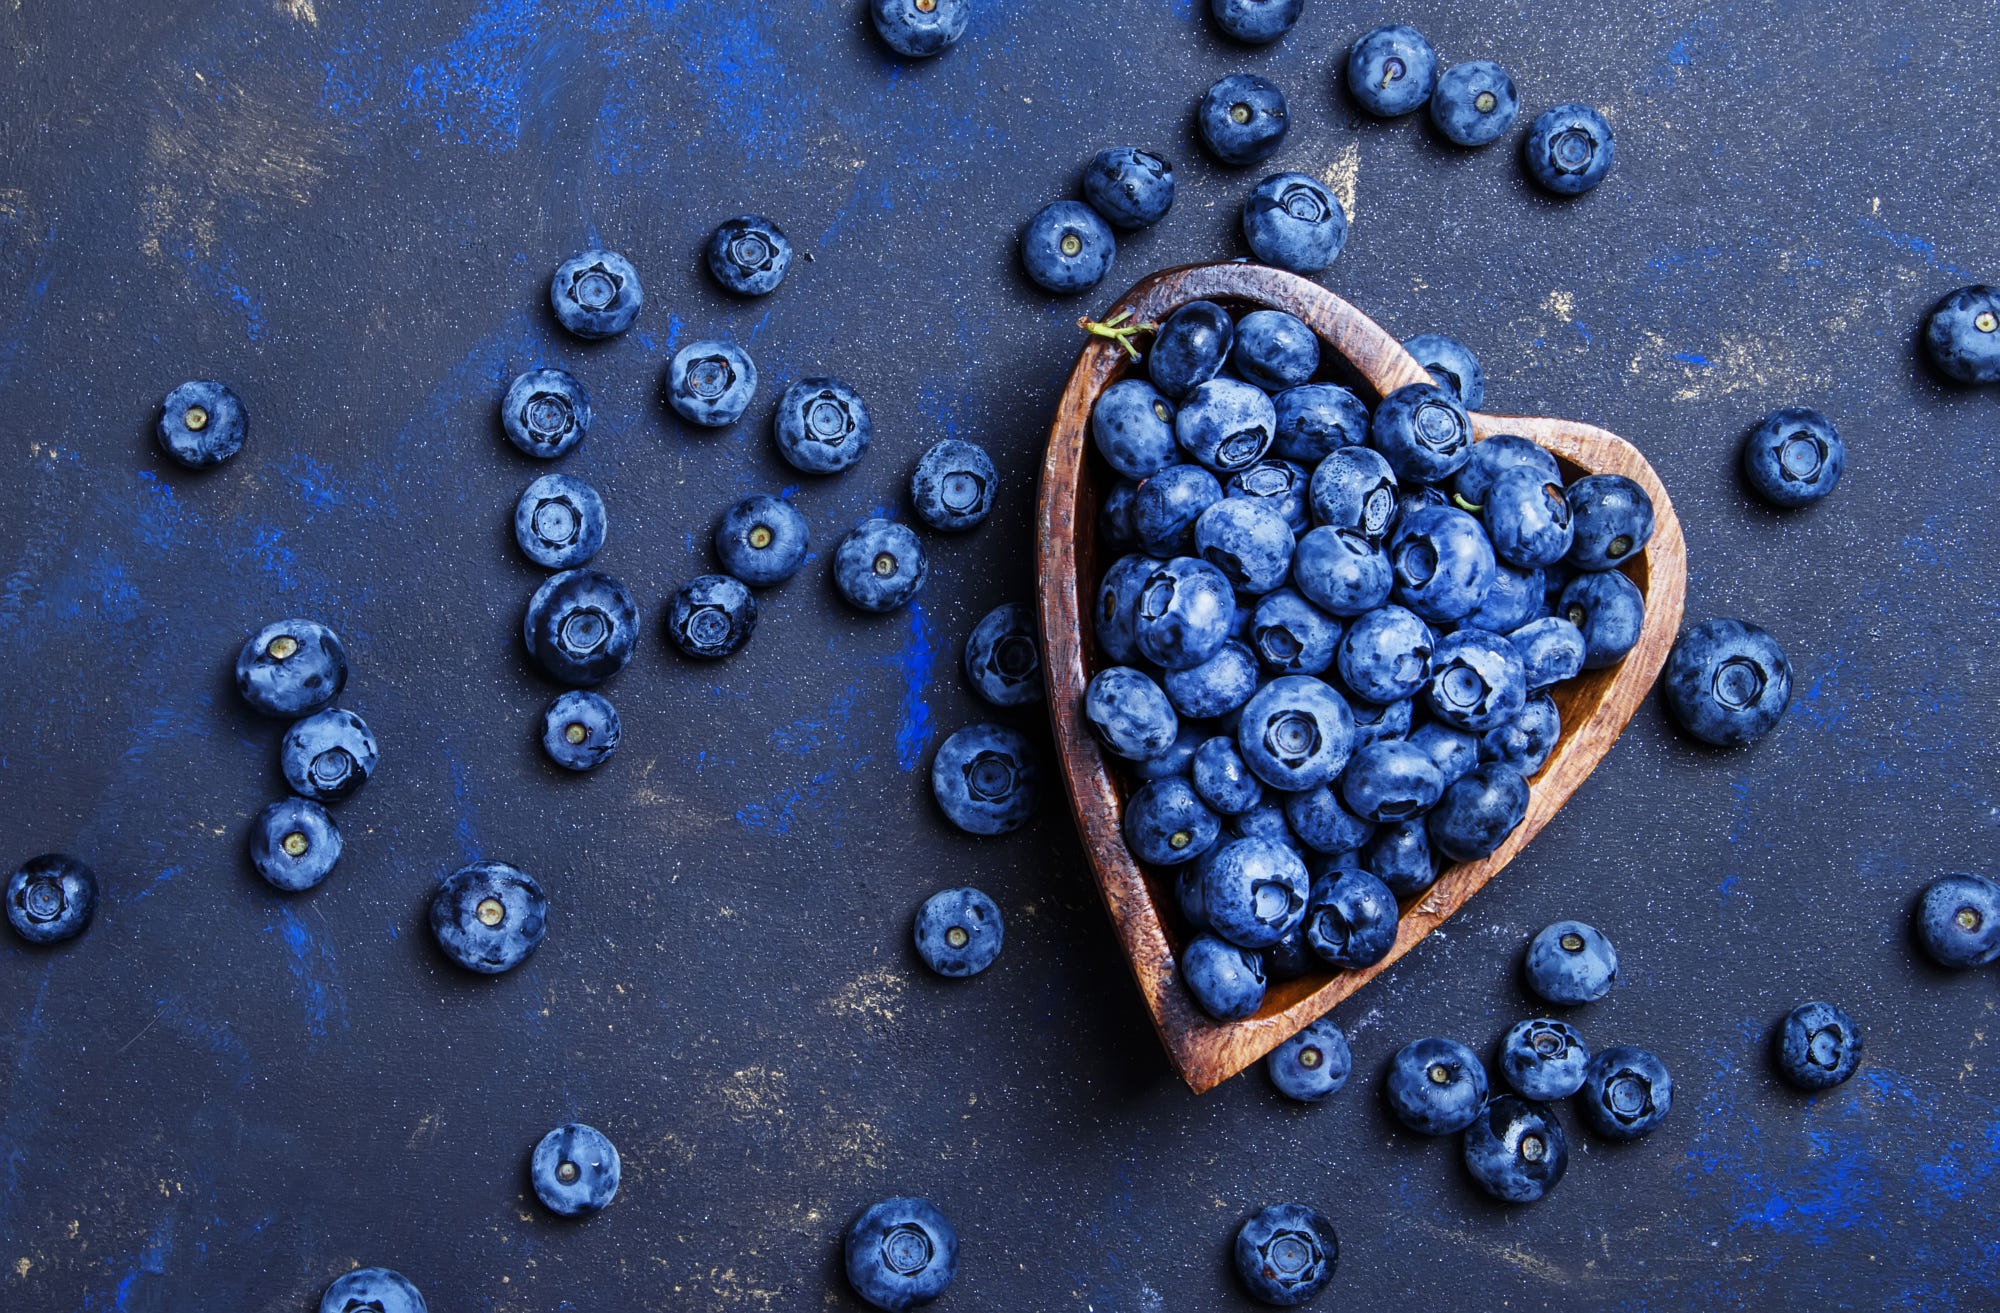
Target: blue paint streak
917,659
311,965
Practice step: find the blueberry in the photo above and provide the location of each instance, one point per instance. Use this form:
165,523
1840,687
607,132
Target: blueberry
294,844
959,932
1351,919
1516,597
1067,247
1226,425
1256,22
1386,655
1248,540
1569,150
1226,981
1419,497
1133,428
1551,650
202,423
1129,713
1526,741
1242,119
1494,457
1626,1093
1280,485
1190,348
749,255
1167,505
1817,1046
1390,779
1274,350
880,565
596,294
1184,613
901,1253
559,522
1528,519
575,1170
545,413
1452,751
1794,457
1436,1086
1291,636
1451,363
1609,611
1570,963
1399,855
1543,1059
762,540
1117,608
1264,821
1614,520
1317,419
1958,921
1478,811
1188,891
1321,821
1313,1064
952,487
328,755
1003,659
371,1290
1353,488
51,898
1296,733
1423,432
822,426
1293,222
1131,188
1962,335
1254,891
1217,686
1727,682
1178,759
1515,1151
1391,70
580,730
1475,104
1341,571
1443,563
580,627
984,779
488,917
711,383
1286,1253
1114,516
1291,957
1167,823
1223,779
919,29
292,668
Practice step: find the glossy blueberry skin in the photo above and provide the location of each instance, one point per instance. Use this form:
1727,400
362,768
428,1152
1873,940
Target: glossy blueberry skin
1817,1046
294,824
1516,597
1614,520
1417,497
574,1170
1794,457
581,627
1451,363
1225,425
1117,608
749,255
1354,488
1391,70
1390,780
1495,456
1551,650
1443,563
1474,105
1626,1093
1290,958
880,565
202,424
51,898
1264,821
1274,350
762,540
1452,751
959,932
1178,759
1223,779
1278,484
1351,919
1528,519
1962,335
1727,682
1286,1254
1130,713
1190,348
1321,821
1515,1150
1293,222
1253,891
901,1253
1217,686
372,1290
1167,505
1313,1064
1435,1086
1242,119
1248,540
559,522
1291,636
1003,657
1226,981
711,383
545,413
1423,432
1256,22
1317,419
1543,1059
1526,741
1295,733
1386,655
1184,613
1131,188
1375,722
1478,811
1399,855
291,668
580,730
1067,248
1957,921
489,917
1167,823
1132,425
1341,572
596,294
1569,150
984,778
952,488
1609,611
822,426
1570,964
328,755
711,617
1114,516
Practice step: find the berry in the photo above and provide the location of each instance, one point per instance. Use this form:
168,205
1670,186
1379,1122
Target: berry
1451,363
1129,713
1190,348
328,755
1400,857
1131,188
1958,921
559,522
1817,1046
580,730
1118,604
1354,488
1342,571
1253,891
1528,519
1351,919
711,383
1452,751
1226,981
1313,1064
1293,222
1166,506
1222,778
488,917
1443,563
1613,518
919,29
901,1252
1543,1059
1248,540
1962,335
1474,104
749,255
1114,517
1516,597
596,294
1478,811
292,668
1167,823
371,1290
1386,655
1003,658
959,932
1217,686
1794,457
1570,963
1286,1254
294,844
1133,428
1224,424
545,412
1296,732
1178,759
51,898
1256,22
1321,821
1626,1093
880,565
1423,432
1476,681
1435,1086
1184,613
581,627
821,425
952,487
1494,457
1068,247
1609,611
1274,350
1278,484
1317,419
1391,70
1291,636
1515,1151
1242,119
762,540
202,423
1727,682
574,1170
1569,150
1551,650
1390,780
1526,741
984,779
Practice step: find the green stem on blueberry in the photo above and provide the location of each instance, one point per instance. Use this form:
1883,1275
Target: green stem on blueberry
1117,330
1465,505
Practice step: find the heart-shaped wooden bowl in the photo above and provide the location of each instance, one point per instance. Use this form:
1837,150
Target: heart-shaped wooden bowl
1594,707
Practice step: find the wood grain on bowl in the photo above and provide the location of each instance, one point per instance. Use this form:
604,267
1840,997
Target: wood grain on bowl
1595,707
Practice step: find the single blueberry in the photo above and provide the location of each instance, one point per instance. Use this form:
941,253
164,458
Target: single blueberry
545,412
1242,119
575,1170
762,540
822,426
1178,759
1190,348
1474,104
1399,855
1609,611
880,565
1516,597
959,932
1286,1254
1313,1064
919,29
1117,610
1526,741
580,627
1223,779
1264,821
1390,780
1068,247
1253,891
1274,350
488,917
901,1253
1551,650
1794,457
711,383
1570,963
1291,636
1727,682
1423,432
1515,1150
1114,516
580,730
1226,425
1351,919
1569,150
1353,488
328,755
1386,655
953,485
1958,921
371,1290
1167,823
1248,540
291,668
1132,426
1962,335
1166,506
1452,751
1003,657
1226,981
1420,497
1817,1046
1131,188
749,255
1476,681
1256,22
1452,365
1278,484
1443,563
1291,958
1626,1093
1296,732
596,294
1528,519
1321,821
1493,457
51,898
1217,686
1341,571
559,522
1478,811
294,844
984,779
1317,419
1435,1086
1130,713
202,423
1391,70
1613,518
1293,222
1543,1059
1184,613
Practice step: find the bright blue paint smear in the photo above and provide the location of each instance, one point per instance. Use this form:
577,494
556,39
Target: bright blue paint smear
917,660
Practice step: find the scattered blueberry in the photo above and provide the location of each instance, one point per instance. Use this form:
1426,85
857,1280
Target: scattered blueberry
749,255
1474,105
919,29
545,413
1478,811
901,1252
1226,981
1386,655
1390,780
1068,247
762,540
1167,823
1166,506
1274,350
1551,650
1131,188
1515,1151
1296,732
292,668
294,844
580,627
1223,779
1254,891
1423,432
580,730
1436,1086
1242,119
1190,348
1570,963
711,383
1286,1254
1391,70
371,1290
596,294
1317,419
1613,518
574,1170
1962,335
1626,1093
559,522
959,932
1278,483
1003,658
952,487
1351,919
880,565
1727,682
1133,428
1958,921
984,779
1794,457
1313,1064
488,917
202,423
1544,1059
1451,363
1184,613
328,755
1256,22
1130,713
51,898
822,426
1216,687
1443,563
1609,611
1817,1046
1293,222
1569,150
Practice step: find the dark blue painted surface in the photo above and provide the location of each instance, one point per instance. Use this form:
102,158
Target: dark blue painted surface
220,1098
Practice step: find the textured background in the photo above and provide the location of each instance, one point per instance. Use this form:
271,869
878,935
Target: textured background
220,1098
